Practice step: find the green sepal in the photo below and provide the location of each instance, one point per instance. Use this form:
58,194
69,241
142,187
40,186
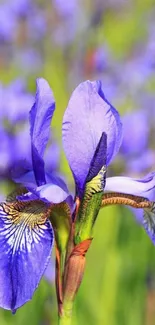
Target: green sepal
89,207
60,218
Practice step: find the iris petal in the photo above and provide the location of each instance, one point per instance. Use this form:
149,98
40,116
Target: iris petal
25,249
145,188
49,193
87,116
27,179
40,119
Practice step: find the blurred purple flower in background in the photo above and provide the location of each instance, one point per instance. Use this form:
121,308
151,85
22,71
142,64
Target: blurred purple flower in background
23,26
136,149
136,133
20,8
15,102
29,60
67,27
66,9
8,23
103,60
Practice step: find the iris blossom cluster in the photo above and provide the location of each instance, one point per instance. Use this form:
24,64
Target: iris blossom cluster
24,25
44,209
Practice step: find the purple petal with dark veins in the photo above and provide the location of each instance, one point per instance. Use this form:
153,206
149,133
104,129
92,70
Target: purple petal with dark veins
25,251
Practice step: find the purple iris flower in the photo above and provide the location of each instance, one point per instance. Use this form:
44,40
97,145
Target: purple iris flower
8,23
92,135
66,9
20,8
15,102
37,24
134,148
136,121
28,59
143,162
102,57
69,15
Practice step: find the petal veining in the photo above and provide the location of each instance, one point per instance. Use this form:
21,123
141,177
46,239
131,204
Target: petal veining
26,239
145,188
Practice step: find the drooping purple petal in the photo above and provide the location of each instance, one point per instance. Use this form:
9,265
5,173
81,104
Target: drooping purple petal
142,218
25,251
40,119
88,115
144,187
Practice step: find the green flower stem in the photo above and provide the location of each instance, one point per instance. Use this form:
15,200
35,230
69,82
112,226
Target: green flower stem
66,316
88,212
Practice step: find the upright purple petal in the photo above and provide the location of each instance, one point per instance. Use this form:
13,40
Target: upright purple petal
40,119
25,251
87,116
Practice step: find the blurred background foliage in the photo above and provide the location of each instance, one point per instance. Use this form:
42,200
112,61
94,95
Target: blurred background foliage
66,43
